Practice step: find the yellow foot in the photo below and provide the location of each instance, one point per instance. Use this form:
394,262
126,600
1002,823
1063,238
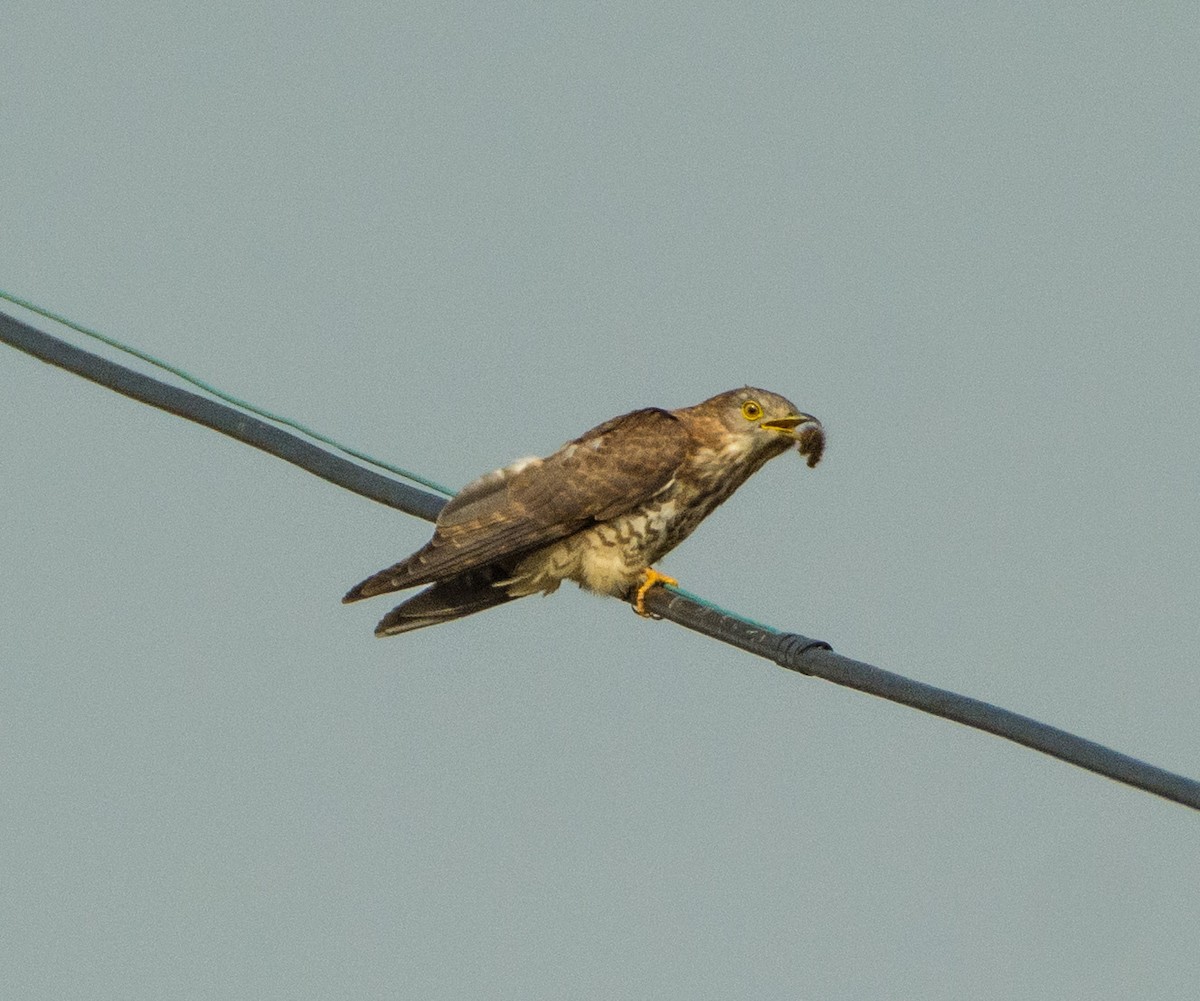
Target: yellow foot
651,578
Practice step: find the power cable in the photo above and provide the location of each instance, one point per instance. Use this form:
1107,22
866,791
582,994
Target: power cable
789,650
220,394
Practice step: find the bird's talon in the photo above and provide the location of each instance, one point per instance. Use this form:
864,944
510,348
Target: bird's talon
651,578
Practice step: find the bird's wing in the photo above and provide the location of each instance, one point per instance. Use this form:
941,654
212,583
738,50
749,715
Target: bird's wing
611,469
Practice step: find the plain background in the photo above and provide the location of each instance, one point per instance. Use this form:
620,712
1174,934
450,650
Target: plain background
452,235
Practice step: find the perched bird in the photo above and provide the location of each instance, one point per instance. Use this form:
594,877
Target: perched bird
599,511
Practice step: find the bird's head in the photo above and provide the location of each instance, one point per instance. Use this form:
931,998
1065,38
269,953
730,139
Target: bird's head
765,422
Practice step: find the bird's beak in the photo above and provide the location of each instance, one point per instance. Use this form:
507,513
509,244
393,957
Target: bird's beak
787,425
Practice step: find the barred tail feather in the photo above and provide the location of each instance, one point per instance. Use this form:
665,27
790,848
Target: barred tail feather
466,594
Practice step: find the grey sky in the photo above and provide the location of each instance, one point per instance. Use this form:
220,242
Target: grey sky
454,235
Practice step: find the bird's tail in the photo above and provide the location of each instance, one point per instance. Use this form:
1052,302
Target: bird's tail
446,600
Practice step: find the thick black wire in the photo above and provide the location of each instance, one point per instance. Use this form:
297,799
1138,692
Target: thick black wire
244,427
788,650
814,658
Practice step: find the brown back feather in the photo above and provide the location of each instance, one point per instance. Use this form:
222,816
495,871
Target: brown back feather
609,470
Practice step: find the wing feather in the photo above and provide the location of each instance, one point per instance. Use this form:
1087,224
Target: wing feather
611,469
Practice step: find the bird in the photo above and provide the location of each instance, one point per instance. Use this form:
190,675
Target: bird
599,511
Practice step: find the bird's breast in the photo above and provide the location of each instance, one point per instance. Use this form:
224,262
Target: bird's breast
650,531
610,557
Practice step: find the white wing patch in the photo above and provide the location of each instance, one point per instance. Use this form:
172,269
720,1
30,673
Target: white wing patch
515,467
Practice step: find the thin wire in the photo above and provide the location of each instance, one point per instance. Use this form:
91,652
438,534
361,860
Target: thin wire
714,607
221,394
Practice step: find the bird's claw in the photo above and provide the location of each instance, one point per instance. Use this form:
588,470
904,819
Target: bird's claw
650,578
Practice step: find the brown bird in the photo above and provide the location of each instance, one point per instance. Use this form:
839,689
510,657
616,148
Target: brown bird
599,511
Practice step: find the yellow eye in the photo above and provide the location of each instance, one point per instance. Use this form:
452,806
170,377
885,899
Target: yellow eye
751,410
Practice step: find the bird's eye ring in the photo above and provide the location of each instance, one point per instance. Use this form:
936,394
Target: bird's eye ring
751,410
